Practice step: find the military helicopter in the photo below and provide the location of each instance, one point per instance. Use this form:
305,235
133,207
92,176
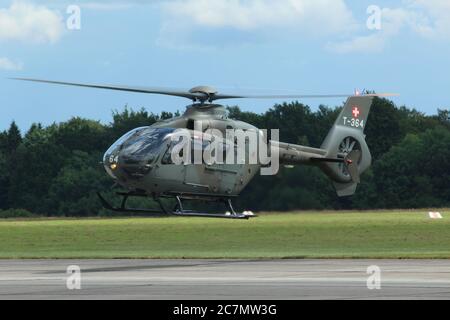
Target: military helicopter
139,161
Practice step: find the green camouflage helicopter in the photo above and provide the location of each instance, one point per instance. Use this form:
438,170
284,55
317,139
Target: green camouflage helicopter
142,163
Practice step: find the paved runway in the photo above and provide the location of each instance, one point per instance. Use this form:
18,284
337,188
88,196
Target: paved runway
224,279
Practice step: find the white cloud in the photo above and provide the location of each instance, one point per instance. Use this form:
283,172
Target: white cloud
28,22
278,18
428,19
437,22
104,5
394,21
8,65
107,6
328,16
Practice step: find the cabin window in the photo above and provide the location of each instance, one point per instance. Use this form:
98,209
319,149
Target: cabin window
167,157
190,124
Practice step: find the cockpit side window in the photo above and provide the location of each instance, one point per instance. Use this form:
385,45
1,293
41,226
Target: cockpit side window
195,146
167,157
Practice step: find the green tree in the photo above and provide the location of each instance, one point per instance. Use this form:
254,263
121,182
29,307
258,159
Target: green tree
383,127
81,134
4,181
129,119
73,190
415,173
14,137
55,170
37,161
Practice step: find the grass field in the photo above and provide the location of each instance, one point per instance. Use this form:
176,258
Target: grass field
403,234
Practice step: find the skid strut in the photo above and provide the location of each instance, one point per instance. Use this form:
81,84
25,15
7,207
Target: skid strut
123,206
178,210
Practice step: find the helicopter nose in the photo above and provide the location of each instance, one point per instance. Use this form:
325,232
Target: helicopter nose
122,166
111,164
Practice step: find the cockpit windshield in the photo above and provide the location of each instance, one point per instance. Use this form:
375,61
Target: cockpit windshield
116,145
138,147
144,145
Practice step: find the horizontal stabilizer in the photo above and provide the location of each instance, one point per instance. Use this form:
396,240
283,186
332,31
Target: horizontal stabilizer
351,161
345,189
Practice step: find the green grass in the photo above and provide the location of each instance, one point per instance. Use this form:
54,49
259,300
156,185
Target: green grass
403,234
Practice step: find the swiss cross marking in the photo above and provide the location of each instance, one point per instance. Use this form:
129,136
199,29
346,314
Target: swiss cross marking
356,112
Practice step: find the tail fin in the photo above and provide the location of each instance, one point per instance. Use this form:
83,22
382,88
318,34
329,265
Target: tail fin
346,140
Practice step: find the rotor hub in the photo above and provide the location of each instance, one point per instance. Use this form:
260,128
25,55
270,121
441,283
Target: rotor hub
208,92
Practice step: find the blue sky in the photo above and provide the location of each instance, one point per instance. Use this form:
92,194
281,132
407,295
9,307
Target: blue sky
289,46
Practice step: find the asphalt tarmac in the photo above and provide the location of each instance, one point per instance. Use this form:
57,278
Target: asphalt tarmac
224,279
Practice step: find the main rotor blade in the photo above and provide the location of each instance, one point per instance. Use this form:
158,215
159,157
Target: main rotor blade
163,91
302,96
196,96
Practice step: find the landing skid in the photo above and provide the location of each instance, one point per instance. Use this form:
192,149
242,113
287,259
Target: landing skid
123,207
178,210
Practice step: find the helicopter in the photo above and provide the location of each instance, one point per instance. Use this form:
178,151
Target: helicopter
141,161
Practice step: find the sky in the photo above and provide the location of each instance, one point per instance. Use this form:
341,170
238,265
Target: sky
238,46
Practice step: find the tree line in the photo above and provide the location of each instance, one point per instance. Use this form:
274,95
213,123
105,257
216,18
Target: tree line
56,171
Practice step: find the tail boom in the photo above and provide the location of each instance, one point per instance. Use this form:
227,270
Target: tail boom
344,154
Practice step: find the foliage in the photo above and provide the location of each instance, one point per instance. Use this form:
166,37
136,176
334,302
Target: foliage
15,213
55,170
